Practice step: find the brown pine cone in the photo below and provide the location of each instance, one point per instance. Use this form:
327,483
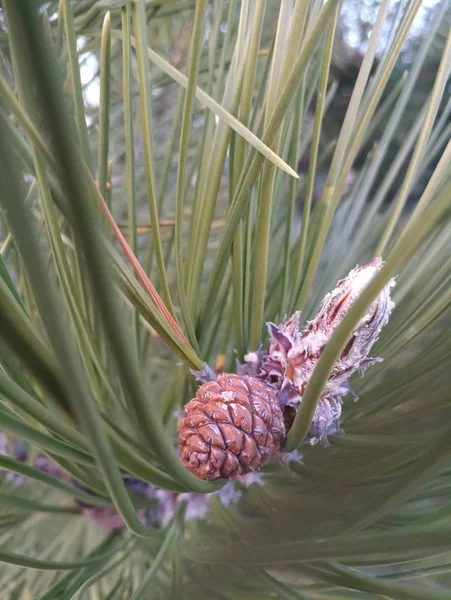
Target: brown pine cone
233,425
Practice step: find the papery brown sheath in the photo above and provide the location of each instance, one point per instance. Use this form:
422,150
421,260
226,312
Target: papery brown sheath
293,353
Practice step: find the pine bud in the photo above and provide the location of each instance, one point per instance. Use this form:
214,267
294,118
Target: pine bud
233,426
310,342
292,353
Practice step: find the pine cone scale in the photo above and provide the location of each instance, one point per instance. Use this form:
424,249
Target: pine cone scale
217,412
232,437
197,444
212,435
248,451
242,418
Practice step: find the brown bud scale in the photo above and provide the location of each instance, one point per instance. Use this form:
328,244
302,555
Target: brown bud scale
233,426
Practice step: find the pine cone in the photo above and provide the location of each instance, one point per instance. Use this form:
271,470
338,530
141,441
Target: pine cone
233,425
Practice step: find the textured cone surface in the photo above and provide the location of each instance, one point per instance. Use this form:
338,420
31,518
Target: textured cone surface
233,425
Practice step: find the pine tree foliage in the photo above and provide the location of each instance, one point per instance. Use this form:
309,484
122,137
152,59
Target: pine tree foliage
152,222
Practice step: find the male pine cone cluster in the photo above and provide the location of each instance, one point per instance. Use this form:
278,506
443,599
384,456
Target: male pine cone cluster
233,426
236,423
